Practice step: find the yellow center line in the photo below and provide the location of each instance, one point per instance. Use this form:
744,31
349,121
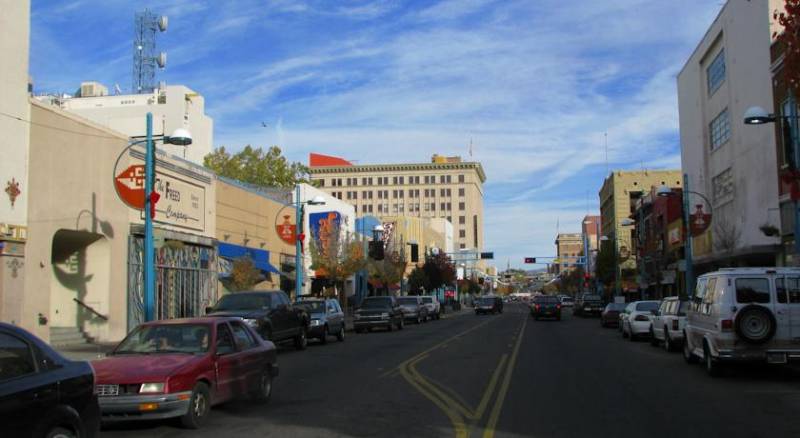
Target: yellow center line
498,406
490,389
459,426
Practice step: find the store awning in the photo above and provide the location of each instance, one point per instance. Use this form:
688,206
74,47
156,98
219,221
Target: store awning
260,257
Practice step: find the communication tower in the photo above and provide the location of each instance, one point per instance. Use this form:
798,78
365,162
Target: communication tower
145,57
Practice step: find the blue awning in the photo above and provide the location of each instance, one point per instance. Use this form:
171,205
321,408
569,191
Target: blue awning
260,257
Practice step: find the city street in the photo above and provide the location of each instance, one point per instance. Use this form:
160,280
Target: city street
502,375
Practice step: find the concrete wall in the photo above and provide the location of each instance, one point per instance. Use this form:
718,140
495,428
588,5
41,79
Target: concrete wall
14,41
742,30
175,107
78,229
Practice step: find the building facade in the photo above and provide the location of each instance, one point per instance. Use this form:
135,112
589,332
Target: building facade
172,106
444,188
569,251
618,197
731,163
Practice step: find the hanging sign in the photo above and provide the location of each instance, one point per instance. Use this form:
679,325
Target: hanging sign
287,231
130,186
699,221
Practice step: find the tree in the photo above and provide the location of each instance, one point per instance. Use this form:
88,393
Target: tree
418,281
255,166
439,270
726,238
790,38
390,270
336,255
244,274
606,263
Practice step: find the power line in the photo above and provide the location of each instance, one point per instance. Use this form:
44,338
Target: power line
56,128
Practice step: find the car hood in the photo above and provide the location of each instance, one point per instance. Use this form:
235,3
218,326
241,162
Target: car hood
129,368
250,314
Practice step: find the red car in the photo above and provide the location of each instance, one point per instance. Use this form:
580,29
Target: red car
181,367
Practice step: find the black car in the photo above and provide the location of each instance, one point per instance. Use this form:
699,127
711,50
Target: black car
588,305
269,312
43,394
378,312
546,306
488,304
327,318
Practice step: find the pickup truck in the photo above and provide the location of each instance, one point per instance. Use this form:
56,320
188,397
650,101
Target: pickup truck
588,304
269,313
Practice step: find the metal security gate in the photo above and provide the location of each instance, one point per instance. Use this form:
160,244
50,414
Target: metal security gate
186,280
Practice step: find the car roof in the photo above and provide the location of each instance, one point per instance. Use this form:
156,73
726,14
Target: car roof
753,271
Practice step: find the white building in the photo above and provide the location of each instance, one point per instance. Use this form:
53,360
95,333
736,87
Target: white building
444,227
173,106
729,162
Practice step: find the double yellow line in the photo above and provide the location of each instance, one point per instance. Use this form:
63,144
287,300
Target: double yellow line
460,415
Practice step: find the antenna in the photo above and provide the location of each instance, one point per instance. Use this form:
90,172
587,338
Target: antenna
470,147
145,57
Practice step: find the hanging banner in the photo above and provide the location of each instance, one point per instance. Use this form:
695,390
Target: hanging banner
287,231
699,221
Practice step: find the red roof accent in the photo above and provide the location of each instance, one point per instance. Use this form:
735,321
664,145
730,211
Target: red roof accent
319,160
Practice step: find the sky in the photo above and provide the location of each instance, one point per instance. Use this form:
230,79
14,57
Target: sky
552,94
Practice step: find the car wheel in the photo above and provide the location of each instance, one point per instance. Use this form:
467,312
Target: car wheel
713,366
688,354
264,390
755,324
624,333
418,320
390,326
324,338
340,335
631,336
199,406
60,432
301,340
667,341
653,340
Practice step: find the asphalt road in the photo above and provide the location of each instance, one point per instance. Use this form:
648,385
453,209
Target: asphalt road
502,375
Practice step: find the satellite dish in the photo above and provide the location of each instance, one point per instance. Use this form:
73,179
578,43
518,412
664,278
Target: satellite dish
162,23
162,59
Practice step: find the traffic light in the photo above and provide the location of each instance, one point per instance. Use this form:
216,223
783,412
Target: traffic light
376,250
530,260
414,252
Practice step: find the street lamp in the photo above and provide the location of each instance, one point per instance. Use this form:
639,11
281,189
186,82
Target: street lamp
179,137
299,265
665,191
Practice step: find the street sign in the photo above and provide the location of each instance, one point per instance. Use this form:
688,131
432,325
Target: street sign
130,186
530,260
487,255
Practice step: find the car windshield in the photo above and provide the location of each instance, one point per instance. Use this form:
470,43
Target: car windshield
313,306
166,338
647,306
546,299
407,301
427,300
682,309
567,299
485,301
243,301
615,307
591,298
376,303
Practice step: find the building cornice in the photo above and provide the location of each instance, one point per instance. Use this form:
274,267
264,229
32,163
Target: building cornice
411,167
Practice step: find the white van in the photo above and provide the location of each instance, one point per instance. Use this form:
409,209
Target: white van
744,314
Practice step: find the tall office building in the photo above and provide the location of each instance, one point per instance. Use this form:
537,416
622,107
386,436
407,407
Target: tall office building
447,187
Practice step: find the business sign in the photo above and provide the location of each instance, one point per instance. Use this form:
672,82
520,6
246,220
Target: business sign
182,204
699,221
130,186
287,231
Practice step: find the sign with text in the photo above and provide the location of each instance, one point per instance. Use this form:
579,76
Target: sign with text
182,204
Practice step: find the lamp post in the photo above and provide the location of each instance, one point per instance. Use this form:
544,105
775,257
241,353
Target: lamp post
179,137
626,222
299,264
755,115
687,240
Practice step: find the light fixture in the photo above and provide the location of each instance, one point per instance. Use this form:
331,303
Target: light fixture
378,228
318,200
663,191
605,239
179,137
755,115
626,222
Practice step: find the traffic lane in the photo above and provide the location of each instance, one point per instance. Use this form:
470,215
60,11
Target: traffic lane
336,389
581,380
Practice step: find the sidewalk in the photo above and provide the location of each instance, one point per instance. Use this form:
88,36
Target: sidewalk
85,351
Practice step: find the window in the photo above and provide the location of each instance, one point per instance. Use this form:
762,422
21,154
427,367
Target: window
722,186
719,130
338,182
225,343
462,233
461,178
461,192
321,182
752,290
462,246
715,73
449,206
441,179
16,357
401,180
427,206
441,192
462,220
449,178
462,206
433,206
475,230
442,206
788,291
242,337
394,180
394,208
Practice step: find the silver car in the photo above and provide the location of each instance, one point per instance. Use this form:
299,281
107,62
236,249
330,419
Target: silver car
413,308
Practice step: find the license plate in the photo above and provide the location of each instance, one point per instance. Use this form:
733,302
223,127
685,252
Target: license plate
776,358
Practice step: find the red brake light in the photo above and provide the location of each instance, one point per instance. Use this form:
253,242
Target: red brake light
558,306
536,307
641,318
726,324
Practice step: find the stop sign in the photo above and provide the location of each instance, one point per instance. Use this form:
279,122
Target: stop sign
130,186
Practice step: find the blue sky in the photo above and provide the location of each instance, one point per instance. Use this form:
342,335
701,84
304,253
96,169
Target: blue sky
533,83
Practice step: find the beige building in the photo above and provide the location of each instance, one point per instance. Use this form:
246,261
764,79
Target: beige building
569,250
732,164
173,107
618,196
249,217
447,187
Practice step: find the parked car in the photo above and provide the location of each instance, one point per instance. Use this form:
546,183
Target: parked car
588,305
567,301
636,319
378,312
413,309
488,304
270,313
182,367
668,323
435,308
327,318
744,314
43,394
546,306
609,317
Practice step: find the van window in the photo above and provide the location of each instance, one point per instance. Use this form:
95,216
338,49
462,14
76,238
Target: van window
700,290
711,291
752,290
788,291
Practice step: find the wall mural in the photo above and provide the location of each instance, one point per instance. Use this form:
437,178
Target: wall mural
13,190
